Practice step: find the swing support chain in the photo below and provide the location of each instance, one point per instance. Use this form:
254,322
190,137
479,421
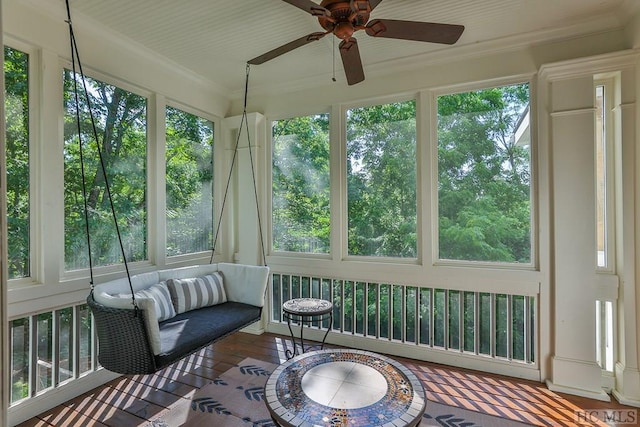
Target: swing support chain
75,57
244,122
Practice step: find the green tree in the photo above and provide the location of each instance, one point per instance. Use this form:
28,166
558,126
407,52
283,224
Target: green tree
189,182
483,176
120,124
16,73
300,208
381,175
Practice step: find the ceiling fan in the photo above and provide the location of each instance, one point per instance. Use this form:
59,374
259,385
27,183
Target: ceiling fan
344,17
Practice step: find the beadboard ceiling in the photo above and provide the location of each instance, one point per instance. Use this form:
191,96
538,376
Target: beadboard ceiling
215,38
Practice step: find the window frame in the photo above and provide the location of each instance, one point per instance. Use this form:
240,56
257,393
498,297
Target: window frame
533,264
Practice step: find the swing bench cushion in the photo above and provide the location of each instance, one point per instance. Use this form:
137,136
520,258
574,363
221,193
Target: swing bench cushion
216,298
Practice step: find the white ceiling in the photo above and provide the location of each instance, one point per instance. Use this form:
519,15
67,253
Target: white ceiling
215,38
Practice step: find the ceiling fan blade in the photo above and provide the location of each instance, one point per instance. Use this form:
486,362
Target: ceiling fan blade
413,30
351,61
374,3
286,48
309,6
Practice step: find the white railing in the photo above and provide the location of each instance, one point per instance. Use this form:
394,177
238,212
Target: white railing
496,325
56,348
50,349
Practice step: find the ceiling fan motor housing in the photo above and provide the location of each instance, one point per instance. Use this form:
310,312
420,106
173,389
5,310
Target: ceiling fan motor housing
345,19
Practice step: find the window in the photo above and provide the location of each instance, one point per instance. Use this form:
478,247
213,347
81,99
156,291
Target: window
189,185
16,73
19,347
381,180
606,97
120,119
484,186
604,141
300,179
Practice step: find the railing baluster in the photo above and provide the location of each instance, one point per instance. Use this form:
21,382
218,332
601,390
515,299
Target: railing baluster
416,324
94,343
476,323
33,354
57,350
527,330
446,318
432,330
461,321
403,313
378,311
509,327
493,325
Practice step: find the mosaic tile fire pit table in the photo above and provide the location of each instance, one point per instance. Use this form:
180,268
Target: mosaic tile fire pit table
344,387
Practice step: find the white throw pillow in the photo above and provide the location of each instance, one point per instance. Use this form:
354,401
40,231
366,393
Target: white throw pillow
189,294
159,293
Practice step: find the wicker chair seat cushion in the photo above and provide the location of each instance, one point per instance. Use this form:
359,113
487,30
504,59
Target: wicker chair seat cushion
194,329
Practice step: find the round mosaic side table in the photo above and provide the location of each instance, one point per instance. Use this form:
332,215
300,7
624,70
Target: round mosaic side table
344,388
306,309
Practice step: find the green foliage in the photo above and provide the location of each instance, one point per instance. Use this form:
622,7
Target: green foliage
120,125
483,176
189,182
16,72
300,208
483,179
381,180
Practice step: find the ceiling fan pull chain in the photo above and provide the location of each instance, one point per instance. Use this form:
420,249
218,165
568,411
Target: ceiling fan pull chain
334,58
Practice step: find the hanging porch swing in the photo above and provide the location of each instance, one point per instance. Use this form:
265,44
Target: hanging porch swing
148,321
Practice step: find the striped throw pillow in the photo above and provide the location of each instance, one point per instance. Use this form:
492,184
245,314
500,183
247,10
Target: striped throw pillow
197,292
159,293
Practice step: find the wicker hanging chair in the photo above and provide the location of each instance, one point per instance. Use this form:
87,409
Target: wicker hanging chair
129,340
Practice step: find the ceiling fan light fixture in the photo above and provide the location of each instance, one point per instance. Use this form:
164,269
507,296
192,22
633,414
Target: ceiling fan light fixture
344,30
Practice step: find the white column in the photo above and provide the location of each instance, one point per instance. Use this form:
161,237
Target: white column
572,137
244,215
627,373
569,105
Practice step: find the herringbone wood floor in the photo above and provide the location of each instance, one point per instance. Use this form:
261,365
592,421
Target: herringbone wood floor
134,400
